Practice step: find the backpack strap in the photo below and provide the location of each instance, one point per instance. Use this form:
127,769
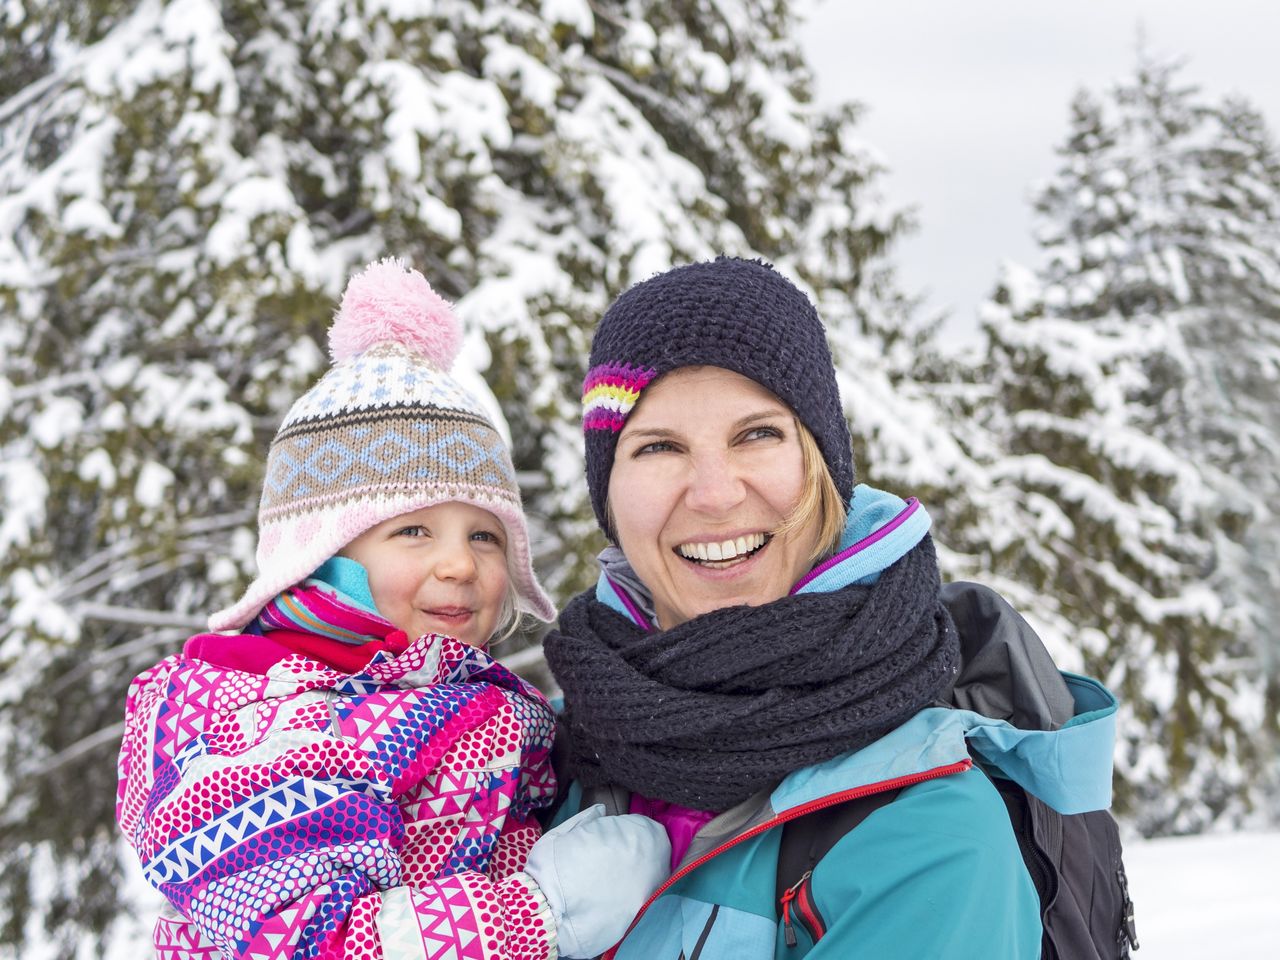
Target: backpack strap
808,838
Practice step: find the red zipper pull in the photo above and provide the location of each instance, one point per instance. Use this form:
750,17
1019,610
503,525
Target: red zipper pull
788,931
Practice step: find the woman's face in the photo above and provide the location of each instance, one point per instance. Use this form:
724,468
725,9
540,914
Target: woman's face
708,466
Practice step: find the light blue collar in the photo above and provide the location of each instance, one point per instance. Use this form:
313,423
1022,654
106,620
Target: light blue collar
349,580
1069,769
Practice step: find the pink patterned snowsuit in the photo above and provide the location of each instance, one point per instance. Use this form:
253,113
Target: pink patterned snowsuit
286,808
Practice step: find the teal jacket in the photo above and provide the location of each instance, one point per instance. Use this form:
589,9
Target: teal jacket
935,874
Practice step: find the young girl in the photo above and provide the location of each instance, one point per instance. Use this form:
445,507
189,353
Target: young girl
341,770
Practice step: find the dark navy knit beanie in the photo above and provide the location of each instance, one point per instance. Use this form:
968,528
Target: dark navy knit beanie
741,315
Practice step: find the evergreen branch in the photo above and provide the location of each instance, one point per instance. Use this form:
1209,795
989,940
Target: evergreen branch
84,745
123,548
641,94
76,378
131,615
528,657
145,574
356,223
156,639
597,10
31,94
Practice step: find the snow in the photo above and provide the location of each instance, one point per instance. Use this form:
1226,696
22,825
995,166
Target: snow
97,468
1194,898
575,13
60,419
88,216
637,45
1206,896
537,83
249,198
778,120
154,482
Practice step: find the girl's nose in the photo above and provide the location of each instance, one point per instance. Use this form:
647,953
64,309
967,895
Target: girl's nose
455,563
714,486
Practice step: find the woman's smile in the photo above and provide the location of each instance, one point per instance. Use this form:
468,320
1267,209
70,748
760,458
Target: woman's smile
735,548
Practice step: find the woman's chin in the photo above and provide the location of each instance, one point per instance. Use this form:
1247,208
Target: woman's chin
702,588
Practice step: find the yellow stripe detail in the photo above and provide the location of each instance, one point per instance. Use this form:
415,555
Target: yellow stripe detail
609,391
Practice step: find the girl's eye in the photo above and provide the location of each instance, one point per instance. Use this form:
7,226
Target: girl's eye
417,530
487,536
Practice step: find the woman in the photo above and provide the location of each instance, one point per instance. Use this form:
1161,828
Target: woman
765,640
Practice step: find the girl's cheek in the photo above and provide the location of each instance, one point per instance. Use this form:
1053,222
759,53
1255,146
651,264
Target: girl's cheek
395,583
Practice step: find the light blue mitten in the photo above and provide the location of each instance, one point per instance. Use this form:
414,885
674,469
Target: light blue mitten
596,873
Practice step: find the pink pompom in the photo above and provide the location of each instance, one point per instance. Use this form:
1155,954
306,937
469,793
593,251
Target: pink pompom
391,302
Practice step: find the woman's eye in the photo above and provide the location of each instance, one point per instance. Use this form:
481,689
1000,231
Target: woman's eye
763,433
658,446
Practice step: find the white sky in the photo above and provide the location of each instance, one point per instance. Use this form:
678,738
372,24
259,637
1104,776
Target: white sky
967,101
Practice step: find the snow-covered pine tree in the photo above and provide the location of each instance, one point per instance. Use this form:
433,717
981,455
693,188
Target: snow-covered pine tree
185,186
1135,391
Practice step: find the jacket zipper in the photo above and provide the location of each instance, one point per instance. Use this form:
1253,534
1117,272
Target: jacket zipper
806,909
960,766
809,914
789,931
1128,936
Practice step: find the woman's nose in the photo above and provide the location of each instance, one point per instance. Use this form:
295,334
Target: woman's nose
714,486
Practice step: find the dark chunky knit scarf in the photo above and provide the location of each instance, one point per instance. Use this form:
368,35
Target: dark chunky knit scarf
709,712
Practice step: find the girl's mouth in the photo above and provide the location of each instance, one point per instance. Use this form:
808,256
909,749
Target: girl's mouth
453,615
723,554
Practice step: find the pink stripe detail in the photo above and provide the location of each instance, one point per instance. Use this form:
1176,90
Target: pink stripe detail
618,375
326,609
603,420
636,615
338,614
888,528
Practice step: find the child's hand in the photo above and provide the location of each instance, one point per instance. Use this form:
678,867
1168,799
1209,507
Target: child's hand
596,873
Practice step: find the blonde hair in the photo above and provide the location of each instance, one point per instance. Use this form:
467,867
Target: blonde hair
509,615
820,502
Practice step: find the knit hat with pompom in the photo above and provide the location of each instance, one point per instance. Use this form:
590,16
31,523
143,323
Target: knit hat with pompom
386,431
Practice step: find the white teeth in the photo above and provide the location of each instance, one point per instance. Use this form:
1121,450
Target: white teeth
724,550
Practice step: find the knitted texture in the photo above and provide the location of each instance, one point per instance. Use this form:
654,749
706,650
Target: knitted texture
726,704
741,315
386,431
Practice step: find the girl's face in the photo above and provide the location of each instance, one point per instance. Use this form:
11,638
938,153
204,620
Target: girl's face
442,569
707,468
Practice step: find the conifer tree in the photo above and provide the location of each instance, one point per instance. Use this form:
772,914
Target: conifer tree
185,186
1135,397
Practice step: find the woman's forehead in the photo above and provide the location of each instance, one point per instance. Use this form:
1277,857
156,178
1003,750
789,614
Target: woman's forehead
669,398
